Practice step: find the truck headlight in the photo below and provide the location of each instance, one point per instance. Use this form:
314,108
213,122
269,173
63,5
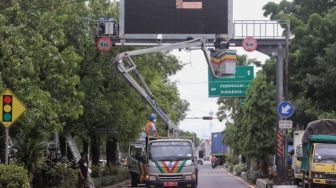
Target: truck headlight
319,175
188,177
152,178
194,176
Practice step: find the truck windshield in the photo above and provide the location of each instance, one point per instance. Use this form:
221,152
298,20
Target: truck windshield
325,152
171,150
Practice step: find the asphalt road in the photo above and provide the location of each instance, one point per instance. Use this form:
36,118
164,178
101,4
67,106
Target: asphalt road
211,178
218,177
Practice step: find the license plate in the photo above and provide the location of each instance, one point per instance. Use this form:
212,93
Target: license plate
170,184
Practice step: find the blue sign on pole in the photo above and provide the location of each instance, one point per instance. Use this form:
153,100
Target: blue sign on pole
285,109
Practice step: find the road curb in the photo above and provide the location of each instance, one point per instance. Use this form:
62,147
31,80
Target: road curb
239,178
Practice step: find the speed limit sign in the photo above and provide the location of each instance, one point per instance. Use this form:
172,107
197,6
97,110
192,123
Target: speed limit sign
250,44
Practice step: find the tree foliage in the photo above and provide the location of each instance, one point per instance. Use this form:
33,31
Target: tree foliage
257,119
191,136
311,78
312,55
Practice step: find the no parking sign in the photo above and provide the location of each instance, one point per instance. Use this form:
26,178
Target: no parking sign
250,44
104,44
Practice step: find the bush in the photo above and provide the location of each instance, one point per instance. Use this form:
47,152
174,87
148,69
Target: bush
231,168
231,159
109,170
253,175
120,175
61,175
95,171
239,168
123,174
12,176
227,165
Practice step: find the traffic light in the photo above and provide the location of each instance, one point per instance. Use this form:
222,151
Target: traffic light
7,108
207,118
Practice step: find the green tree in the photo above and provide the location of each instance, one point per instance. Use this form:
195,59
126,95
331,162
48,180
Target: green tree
191,136
257,120
311,57
48,58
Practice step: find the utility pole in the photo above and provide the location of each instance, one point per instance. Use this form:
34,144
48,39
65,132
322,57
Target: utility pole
210,122
285,70
280,133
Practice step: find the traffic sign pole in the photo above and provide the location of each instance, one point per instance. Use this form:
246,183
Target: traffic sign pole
11,108
279,84
285,110
6,145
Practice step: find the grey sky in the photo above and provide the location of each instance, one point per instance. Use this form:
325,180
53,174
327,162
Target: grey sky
192,80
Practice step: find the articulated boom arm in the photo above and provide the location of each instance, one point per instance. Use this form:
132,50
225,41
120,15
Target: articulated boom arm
125,65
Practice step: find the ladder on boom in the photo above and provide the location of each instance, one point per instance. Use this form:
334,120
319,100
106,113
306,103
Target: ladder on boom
126,65
76,155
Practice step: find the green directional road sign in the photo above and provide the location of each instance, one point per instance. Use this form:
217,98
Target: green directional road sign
231,86
243,73
228,89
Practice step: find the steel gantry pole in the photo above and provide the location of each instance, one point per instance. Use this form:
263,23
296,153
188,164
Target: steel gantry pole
280,133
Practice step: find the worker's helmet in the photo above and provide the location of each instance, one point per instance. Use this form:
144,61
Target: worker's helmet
152,116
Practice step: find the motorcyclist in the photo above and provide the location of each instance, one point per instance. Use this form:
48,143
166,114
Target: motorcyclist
213,161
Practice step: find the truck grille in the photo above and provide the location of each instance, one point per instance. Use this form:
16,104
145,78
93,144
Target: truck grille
330,176
170,177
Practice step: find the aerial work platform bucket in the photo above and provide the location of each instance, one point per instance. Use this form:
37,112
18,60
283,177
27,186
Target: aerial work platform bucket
223,61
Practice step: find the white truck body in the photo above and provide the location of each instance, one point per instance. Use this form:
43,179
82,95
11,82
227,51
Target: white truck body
296,164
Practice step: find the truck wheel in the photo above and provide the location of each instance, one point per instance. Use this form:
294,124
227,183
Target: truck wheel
134,180
311,185
297,182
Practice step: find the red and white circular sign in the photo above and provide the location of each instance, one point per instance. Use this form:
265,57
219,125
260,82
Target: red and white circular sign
250,44
104,44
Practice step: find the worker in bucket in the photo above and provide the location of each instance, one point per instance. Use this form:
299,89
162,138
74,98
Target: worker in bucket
150,128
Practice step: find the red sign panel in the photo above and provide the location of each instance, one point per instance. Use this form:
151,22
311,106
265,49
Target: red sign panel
250,44
104,44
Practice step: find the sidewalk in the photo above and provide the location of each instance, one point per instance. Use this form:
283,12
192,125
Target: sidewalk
240,178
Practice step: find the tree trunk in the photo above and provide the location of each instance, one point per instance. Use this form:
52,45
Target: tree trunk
63,147
111,150
85,146
95,149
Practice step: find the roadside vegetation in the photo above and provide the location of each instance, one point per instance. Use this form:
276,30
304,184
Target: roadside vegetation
311,85
48,58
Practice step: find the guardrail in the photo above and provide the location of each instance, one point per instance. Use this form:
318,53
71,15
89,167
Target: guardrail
261,29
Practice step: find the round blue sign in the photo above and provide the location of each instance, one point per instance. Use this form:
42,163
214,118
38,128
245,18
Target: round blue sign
285,109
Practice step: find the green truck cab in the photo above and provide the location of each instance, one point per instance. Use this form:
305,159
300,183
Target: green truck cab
318,160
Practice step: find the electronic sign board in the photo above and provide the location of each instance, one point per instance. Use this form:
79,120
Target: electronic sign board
174,19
